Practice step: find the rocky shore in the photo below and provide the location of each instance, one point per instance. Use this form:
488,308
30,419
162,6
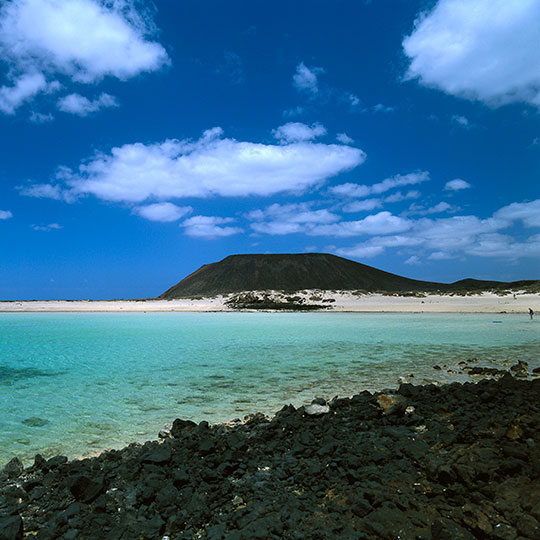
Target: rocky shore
458,461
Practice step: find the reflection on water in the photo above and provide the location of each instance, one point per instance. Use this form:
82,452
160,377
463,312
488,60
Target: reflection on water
71,383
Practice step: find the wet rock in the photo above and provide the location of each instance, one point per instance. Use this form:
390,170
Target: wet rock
521,369
485,371
392,404
165,431
179,426
55,461
11,527
13,469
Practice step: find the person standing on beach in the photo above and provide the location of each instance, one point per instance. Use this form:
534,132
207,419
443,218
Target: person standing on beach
531,313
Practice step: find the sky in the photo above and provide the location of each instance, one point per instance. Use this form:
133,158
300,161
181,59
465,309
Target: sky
140,140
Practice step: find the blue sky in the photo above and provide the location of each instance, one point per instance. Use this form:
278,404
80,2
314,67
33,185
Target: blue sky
141,140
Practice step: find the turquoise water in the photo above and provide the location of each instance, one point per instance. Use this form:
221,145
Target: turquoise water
73,383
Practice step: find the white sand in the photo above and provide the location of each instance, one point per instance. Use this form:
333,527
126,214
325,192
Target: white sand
342,301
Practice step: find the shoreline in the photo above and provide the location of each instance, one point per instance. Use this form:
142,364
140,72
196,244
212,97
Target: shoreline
318,301
394,463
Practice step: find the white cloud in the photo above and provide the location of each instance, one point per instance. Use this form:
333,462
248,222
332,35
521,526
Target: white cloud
440,256
306,79
413,260
380,108
423,211
398,196
344,138
298,132
5,214
484,50
360,251
528,213
363,206
461,121
210,166
46,228
82,106
209,227
164,212
46,191
40,118
83,40
23,89
362,190
456,185
354,100
381,223
448,238
294,111
278,219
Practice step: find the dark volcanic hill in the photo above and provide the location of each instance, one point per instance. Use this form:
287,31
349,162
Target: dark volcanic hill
295,272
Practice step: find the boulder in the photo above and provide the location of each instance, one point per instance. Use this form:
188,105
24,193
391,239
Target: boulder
11,527
392,404
14,468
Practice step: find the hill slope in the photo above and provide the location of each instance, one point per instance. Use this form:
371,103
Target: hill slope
294,272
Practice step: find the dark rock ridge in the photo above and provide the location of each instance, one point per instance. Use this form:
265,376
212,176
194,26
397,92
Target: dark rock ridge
295,272
425,462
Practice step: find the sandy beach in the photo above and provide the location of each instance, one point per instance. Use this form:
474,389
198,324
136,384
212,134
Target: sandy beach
329,301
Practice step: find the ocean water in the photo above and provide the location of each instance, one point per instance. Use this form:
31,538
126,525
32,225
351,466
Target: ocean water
75,383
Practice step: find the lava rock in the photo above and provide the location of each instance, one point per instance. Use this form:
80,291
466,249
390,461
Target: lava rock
11,527
392,404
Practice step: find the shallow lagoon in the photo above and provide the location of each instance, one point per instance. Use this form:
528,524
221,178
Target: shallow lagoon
73,383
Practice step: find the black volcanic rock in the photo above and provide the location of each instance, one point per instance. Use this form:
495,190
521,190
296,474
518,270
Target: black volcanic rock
463,462
295,272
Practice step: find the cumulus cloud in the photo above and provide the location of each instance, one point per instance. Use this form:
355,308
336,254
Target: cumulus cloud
456,185
528,213
210,166
5,214
297,132
344,138
362,190
209,227
413,260
82,40
280,219
306,79
41,118
82,106
381,223
23,89
164,212
420,210
478,49
399,196
365,205
447,238
360,251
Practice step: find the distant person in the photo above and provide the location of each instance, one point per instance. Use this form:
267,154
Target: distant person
531,313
